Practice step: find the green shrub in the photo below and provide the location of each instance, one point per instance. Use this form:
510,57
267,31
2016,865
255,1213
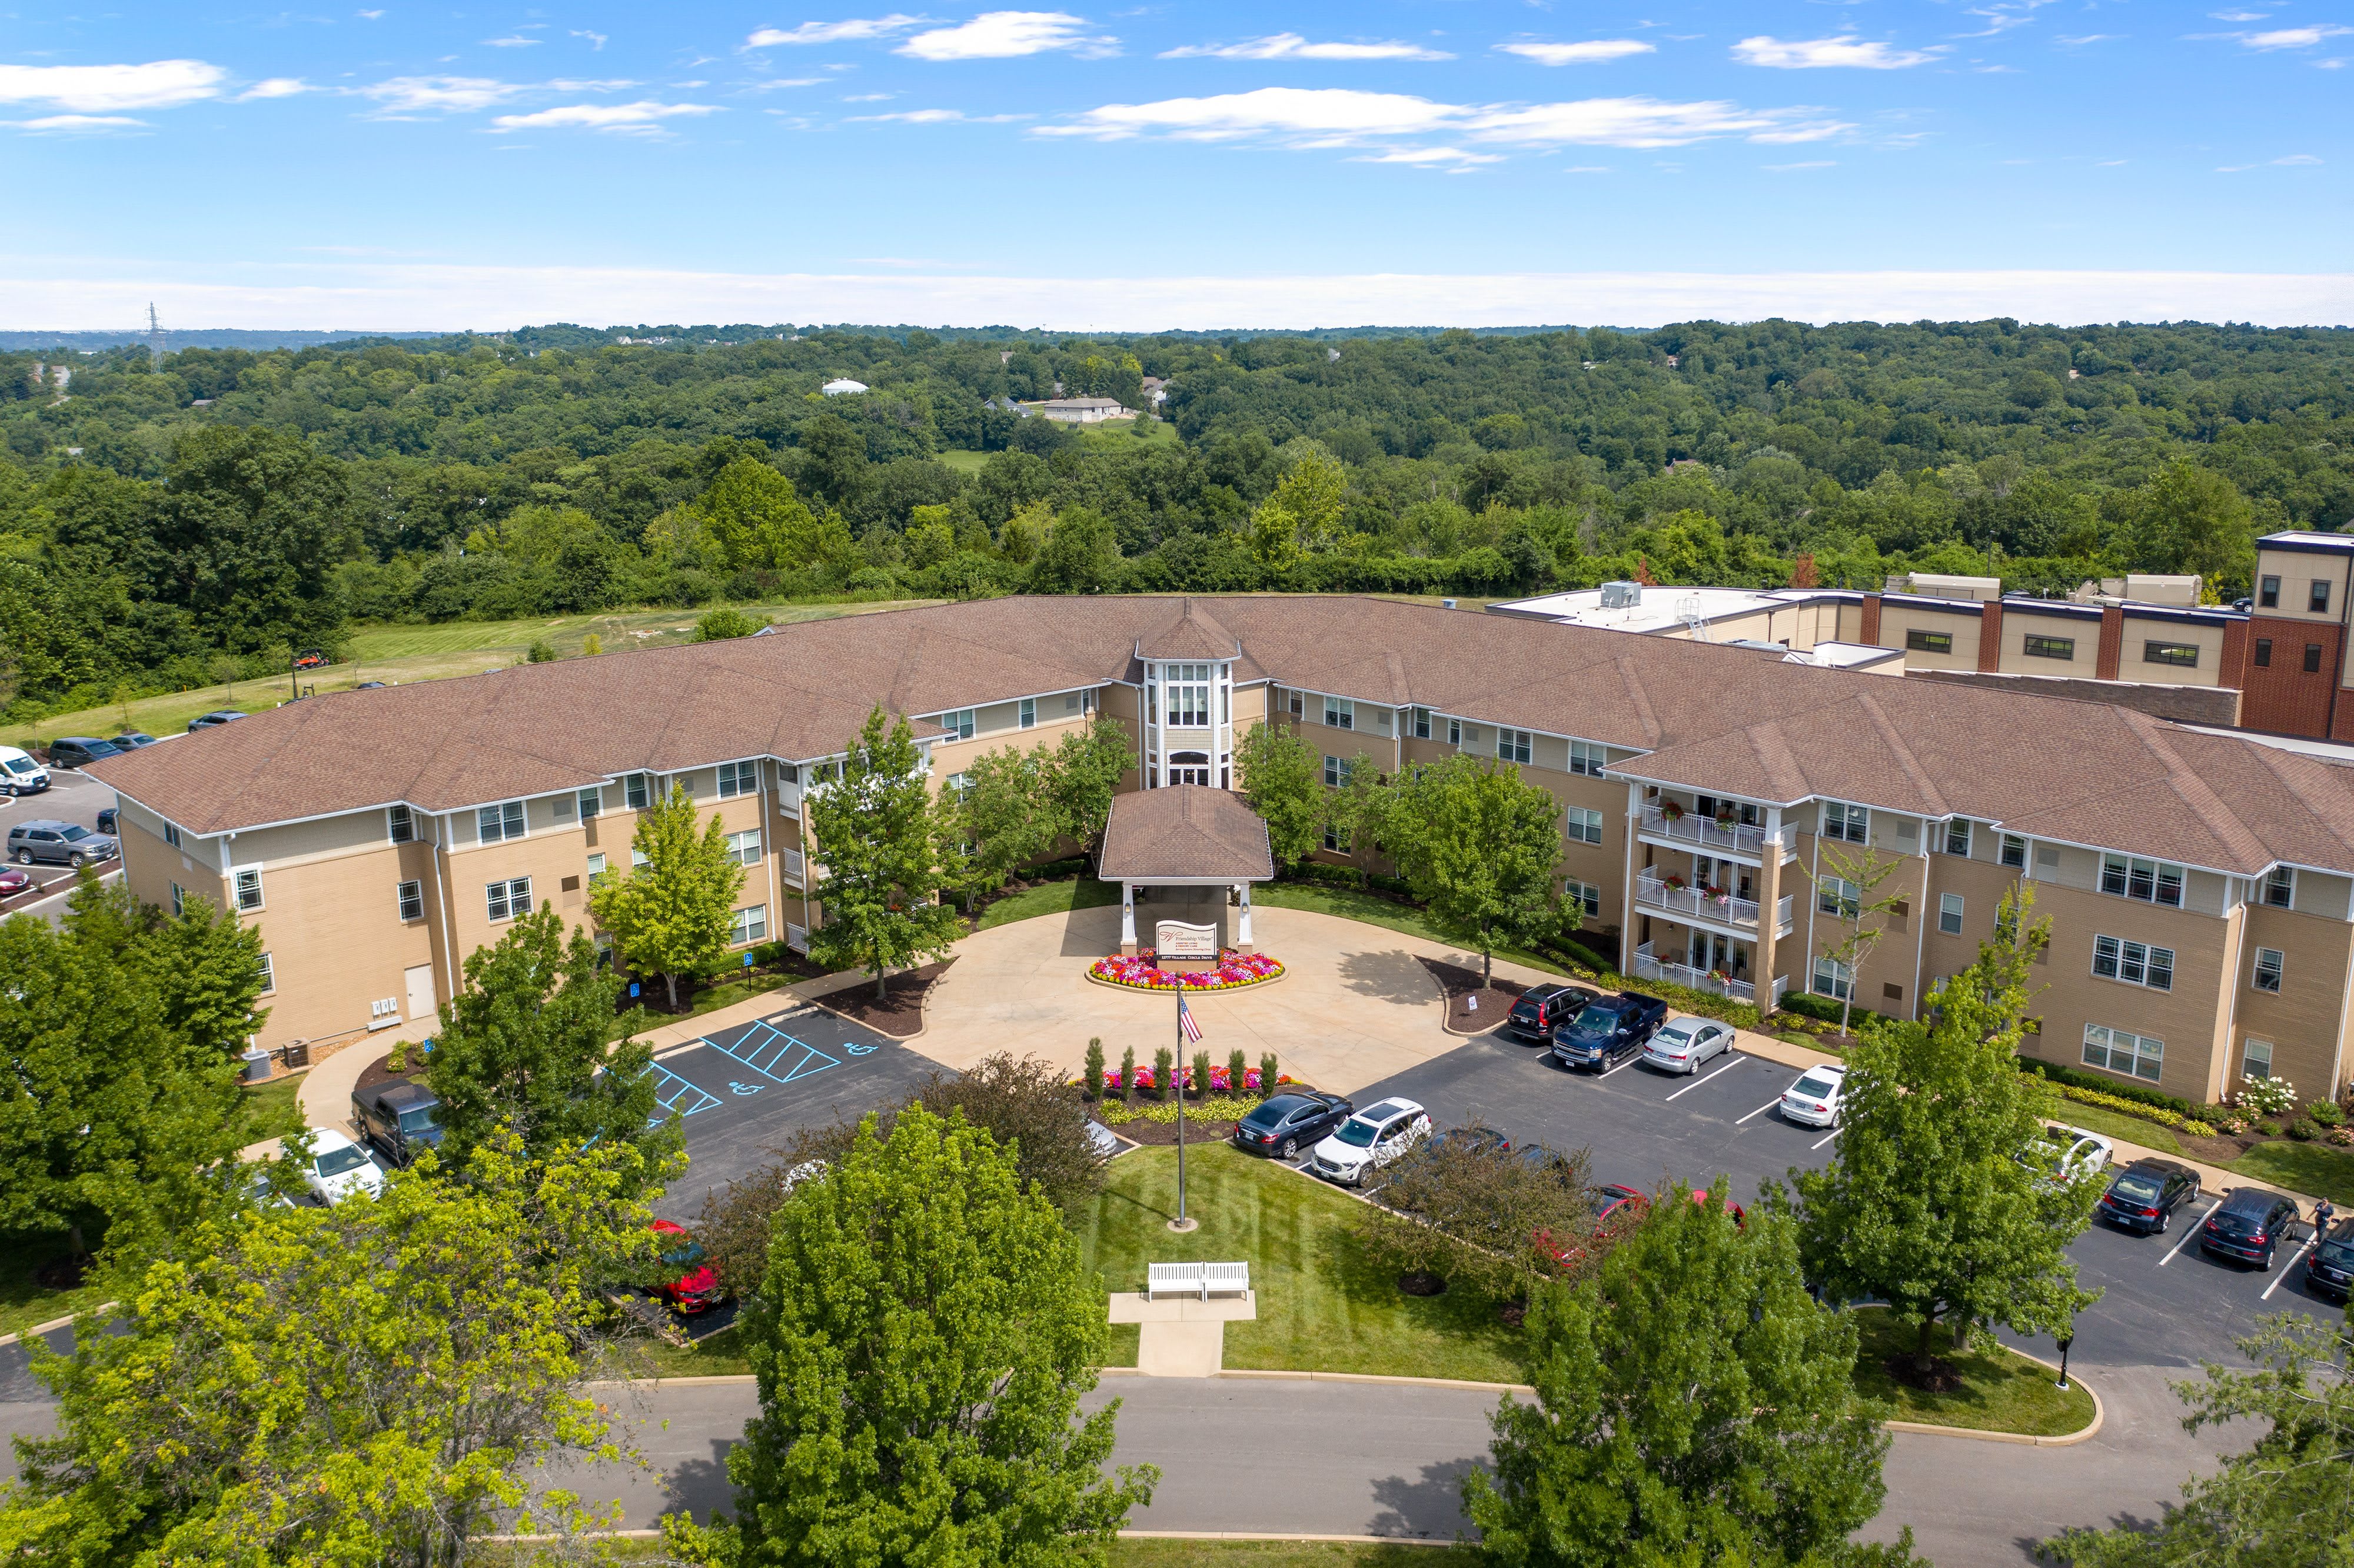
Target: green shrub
1093,1089
1577,952
1128,1075
542,652
721,625
1318,871
2304,1129
2266,1097
1200,1075
1164,1072
1809,1006
2327,1113
1267,1078
2139,1095
1237,1070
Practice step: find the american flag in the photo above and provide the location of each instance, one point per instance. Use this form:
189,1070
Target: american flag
1186,1024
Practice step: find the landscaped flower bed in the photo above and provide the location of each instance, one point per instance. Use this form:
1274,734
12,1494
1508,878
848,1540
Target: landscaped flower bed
1233,971
1220,1081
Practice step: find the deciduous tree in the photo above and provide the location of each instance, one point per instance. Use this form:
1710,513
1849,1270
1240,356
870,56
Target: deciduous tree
998,818
1083,773
673,915
1280,775
878,835
1481,847
1847,889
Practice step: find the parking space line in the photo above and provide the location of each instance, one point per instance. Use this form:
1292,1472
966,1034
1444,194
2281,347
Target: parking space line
1633,1058
1696,1083
1760,1111
2190,1232
2296,1258
1826,1139
672,1091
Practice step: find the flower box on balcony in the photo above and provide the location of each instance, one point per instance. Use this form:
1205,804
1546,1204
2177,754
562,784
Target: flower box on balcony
1672,883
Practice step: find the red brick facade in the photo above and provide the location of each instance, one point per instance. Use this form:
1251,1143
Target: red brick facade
2282,696
1990,639
2112,643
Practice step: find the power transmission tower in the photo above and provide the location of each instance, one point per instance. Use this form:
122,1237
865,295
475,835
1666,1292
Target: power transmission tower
154,336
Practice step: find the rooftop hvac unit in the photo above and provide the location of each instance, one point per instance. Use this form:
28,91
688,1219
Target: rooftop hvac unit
1621,595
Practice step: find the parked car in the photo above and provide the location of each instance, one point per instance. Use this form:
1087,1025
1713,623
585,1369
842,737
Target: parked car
133,740
2144,1196
339,1168
687,1282
214,719
21,773
58,843
2066,1155
1370,1140
1607,1030
1616,1209
1282,1125
110,821
1682,1045
2329,1266
397,1117
1814,1099
13,882
1615,1200
371,686
79,750
1542,1156
1479,1139
1102,1139
2247,1225
1541,1008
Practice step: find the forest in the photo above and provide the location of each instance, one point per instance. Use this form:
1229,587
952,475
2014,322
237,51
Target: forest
162,518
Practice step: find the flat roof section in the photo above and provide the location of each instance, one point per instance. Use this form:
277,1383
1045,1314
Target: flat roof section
1660,608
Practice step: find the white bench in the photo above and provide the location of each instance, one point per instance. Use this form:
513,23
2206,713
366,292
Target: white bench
1202,1280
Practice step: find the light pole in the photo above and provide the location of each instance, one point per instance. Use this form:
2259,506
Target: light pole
2065,1340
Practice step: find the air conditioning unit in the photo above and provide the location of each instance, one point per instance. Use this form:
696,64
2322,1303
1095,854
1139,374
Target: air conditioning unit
1621,595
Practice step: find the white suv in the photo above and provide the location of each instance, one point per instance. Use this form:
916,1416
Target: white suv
1371,1137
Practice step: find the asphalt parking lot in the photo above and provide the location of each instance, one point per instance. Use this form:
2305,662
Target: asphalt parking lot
70,798
2165,1303
745,1091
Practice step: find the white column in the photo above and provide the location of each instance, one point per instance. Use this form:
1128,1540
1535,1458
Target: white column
1243,930
1128,919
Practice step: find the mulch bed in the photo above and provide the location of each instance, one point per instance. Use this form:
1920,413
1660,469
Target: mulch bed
1422,1282
2217,1150
380,1071
1463,990
899,1012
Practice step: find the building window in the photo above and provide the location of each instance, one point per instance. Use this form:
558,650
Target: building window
1340,713
1336,771
2317,600
1336,839
2014,852
560,809
596,866
1840,820
2312,658
2133,963
2256,1059
1957,837
1949,914
2185,654
1418,723
1588,758
398,827
637,790
1834,979
2116,1051
738,779
1454,732
2049,647
959,724
2152,882
639,857
1027,714
495,825
1836,896
959,785
179,900
1299,704
249,891
744,848
2269,593
1512,746
1583,898
749,925
1921,641
2263,653
412,901
592,803
510,900
268,975
2268,968
1582,826
2280,887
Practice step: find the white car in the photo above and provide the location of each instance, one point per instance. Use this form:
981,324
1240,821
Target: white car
1370,1138
1814,1099
338,1168
1684,1043
2067,1155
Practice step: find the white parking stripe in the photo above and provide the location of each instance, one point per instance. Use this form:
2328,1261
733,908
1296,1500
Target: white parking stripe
2189,1232
1760,1111
1827,1137
1632,1057
2293,1262
1696,1083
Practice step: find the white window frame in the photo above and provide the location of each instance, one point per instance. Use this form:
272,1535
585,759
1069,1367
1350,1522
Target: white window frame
1588,758
2280,887
1585,897
2261,970
502,823
1836,895
500,895
738,779
1511,745
2126,870
1958,833
590,803
2133,963
179,900
236,890
1337,840
2139,1051
269,974
638,791
748,924
1582,825
408,898
2255,1059
1336,771
596,866
1832,978
399,827
1027,714
959,723
1418,723
2015,854
1340,713
1949,914
1455,731
1847,822
744,848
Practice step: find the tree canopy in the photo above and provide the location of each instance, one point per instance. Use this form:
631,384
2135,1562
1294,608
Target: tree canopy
879,837
673,912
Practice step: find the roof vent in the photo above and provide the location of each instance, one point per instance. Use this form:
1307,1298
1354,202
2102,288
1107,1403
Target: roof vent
1621,595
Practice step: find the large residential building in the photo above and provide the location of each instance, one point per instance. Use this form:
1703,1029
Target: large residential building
2200,884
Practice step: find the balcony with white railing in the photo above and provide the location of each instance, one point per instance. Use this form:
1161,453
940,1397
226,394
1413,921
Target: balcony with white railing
1655,891
1687,829
1649,965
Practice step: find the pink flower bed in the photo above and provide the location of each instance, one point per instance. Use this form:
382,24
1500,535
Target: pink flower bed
1221,1083
1234,969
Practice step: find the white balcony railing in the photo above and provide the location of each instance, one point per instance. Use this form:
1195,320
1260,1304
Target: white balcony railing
1648,966
1691,828
1652,892
793,864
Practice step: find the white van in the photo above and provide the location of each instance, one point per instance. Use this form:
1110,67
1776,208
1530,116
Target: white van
19,774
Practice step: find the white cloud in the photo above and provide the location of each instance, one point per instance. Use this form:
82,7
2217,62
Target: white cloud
2296,160
1647,123
788,81
1269,110
870,97
1452,158
939,117
367,15
1292,47
276,87
75,124
585,84
596,40
1004,35
2079,43
1587,169
100,90
514,41
402,96
641,119
2237,16
2294,38
1815,54
1587,53
832,32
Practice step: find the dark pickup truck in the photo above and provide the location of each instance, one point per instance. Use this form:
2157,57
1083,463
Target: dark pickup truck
1607,1030
1542,1008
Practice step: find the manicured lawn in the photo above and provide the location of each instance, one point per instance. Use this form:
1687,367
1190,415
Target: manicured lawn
271,1107
962,461
720,1355
1048,898
2001,1391
1350,904
2117,1124
23,1301
714,998
2317,1170
1323,1305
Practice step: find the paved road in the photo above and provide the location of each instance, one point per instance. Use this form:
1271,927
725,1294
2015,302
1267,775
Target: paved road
71,797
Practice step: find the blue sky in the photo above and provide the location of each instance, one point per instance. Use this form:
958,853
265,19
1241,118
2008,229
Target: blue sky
398,165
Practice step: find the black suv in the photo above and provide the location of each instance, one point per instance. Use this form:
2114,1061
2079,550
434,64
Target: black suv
398,1119
60,843
1607,1030
1284,1124
2144,1196
2247,1225
1541,1008
81,750
2329,1266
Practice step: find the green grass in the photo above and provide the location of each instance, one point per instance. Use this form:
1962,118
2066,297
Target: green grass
962,461
273,1109
1048,898
2001,1391
1143,1552
1324,1306
23,1300
2117,1124
720,1355
2317,1170
1350,904
714,998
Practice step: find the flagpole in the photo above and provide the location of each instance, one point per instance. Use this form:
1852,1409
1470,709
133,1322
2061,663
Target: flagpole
1182,1224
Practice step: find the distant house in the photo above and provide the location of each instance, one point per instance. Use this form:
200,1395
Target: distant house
1084,410
842,388
1156,388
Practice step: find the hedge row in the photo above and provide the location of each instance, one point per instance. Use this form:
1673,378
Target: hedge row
2140,1098
2159,1114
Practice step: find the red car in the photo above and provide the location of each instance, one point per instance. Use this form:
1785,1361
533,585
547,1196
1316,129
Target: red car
13,882
695,1286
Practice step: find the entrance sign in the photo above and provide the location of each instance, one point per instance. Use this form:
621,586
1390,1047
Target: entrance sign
1180,940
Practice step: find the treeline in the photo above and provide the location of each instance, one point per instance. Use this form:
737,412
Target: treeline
156,519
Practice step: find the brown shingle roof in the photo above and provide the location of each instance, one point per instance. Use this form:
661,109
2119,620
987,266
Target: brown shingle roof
1712,718
1184,830
1194,633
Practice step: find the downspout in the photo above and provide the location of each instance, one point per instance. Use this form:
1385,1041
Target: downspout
768,850
1921,924
1627,883
449,935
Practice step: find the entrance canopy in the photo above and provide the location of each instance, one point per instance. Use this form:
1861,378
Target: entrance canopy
1185,836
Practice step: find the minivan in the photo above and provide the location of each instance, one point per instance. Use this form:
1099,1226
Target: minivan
21,773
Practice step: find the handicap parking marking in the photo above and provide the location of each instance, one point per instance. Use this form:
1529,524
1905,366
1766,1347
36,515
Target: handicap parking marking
677,1096
2189,1234
766,1049
1737,1059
